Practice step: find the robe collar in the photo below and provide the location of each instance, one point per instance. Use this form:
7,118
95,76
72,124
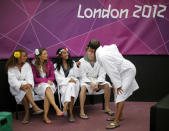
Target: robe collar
86,59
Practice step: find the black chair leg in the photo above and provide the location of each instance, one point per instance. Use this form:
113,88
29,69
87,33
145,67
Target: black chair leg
16,112
92,99
103,102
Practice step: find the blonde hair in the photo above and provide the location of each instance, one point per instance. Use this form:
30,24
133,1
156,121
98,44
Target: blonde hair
37,60
12,61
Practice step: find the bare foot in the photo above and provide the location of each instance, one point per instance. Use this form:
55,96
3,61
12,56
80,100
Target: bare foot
46,120
59,112
26,119
65,108
71,118
116,122
109,112
36,108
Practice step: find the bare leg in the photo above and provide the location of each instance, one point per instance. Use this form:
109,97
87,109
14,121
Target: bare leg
106,96
71,105
126,83
82,99
26,106
31,101
46,109
50,96
120,107
65,108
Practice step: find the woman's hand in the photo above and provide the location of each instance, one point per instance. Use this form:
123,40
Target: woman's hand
119,90
73,81
24,87
78,64
29,85
94,86
41,83
50,83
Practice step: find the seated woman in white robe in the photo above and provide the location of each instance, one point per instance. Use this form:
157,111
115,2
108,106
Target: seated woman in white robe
43,71
20,78
66,74
121,72
93,81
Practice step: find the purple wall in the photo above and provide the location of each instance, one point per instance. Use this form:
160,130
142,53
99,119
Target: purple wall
30,24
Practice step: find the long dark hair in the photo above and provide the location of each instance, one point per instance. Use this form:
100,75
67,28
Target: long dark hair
59,61
13,61
37,61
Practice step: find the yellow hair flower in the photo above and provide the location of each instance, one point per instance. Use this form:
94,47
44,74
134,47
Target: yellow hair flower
17,54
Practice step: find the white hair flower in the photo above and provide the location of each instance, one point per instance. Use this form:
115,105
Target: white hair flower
36,52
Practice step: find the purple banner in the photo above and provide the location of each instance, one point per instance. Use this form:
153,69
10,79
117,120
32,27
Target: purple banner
138,27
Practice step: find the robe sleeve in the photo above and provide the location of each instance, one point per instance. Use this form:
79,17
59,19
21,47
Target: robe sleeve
110,65
76,70
52,72
101,76
13,81
29,76
113,73
60,79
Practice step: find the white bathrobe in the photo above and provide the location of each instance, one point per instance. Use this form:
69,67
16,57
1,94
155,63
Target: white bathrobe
67,89
121,71
95,74
16,79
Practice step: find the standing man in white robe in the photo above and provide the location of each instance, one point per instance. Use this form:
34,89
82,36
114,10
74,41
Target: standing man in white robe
121,72
20,78
93,81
